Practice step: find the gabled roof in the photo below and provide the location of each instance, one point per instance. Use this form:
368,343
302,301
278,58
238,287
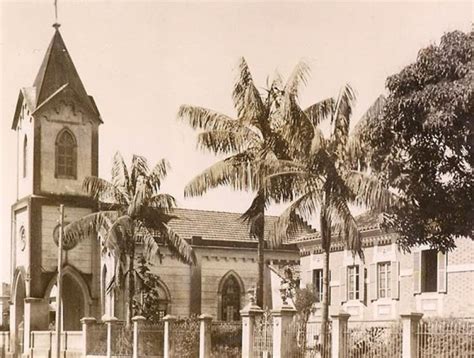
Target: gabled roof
57,72
215,225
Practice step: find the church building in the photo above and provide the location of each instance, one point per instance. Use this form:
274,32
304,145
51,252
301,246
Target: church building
57,128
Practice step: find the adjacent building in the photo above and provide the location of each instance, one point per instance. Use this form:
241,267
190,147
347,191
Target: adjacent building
387,281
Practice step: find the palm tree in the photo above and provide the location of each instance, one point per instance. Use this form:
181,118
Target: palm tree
252,141
131,209
328,178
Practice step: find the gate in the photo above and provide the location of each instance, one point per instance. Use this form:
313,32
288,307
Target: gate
263,335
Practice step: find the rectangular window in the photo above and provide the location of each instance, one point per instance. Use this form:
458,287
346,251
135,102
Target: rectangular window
429,271
384,279
353,282
318,284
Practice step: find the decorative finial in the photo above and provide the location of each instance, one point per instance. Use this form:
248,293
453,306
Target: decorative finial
56,25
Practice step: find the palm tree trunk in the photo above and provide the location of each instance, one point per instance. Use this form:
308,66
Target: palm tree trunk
325,303
131,283
326,245
261,265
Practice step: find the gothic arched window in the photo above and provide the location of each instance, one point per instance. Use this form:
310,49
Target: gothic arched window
66,161
25,156
230,299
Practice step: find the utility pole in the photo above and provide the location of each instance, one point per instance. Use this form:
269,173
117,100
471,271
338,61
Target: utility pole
59,282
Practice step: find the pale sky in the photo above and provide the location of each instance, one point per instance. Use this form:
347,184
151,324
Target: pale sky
142,60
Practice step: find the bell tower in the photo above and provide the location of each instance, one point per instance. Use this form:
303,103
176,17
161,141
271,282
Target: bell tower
56,124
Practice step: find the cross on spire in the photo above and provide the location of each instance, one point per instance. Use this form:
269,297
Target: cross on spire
56,24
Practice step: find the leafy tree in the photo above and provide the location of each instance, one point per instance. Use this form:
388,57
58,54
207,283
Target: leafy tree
131,210
305,299
327,179
253,140
147,299
422,144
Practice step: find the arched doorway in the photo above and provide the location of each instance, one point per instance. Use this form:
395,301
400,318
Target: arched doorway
73,304
19,319
75,300
230,296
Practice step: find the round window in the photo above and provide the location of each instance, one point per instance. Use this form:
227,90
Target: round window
68,244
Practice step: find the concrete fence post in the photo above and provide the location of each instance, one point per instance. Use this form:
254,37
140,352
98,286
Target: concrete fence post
410,323
167,346
248,314
205,325
339,334
110,322
86,338
137,323
282,319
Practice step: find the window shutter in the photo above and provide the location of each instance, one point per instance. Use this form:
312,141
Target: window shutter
373,282
417,272
394,272
442,286
361,283
342,284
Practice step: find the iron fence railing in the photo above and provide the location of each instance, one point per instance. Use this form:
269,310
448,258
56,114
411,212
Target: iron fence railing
226,339
150,339
373,340
443,338
184,338
97,339
305,340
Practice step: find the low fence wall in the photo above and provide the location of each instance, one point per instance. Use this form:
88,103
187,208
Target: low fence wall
4,343
408,337
43,343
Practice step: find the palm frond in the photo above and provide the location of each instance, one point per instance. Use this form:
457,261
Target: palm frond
118,235
120,177
103,190
207,119
247,99
163,201
297,130
158,173
298,77
345,225
151,248
224,142
255,215
140,199
234,171
153,217
318,143
139,168
320,111
178,247
89,226
120,272
341,119
305,207
369,191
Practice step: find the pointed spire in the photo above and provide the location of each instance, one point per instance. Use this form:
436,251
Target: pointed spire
58,72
